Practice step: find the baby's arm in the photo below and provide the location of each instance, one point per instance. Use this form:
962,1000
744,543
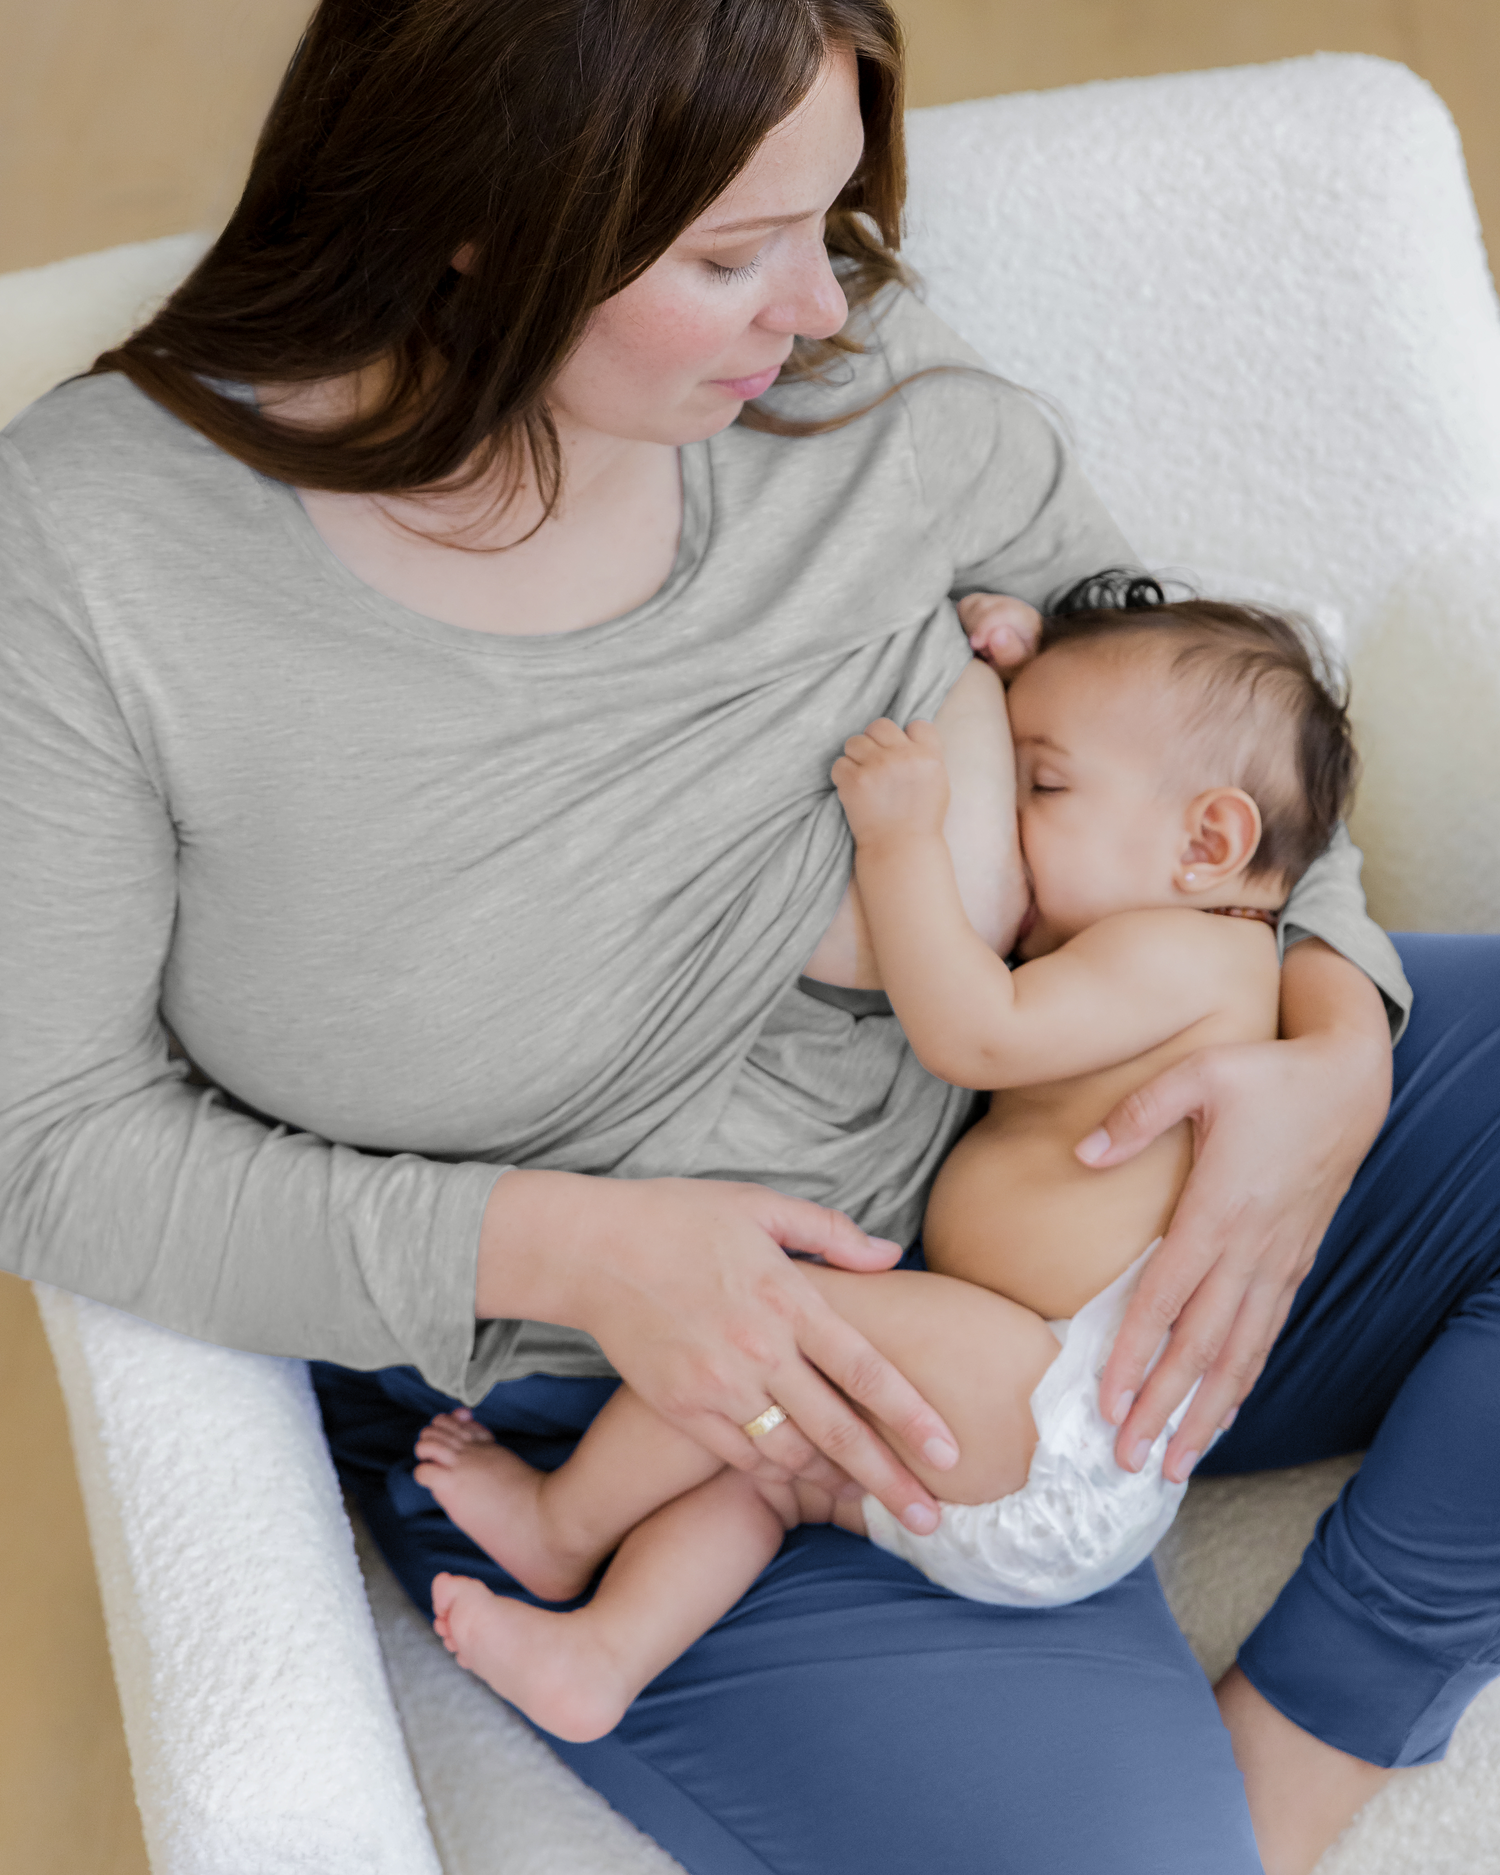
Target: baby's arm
979,827
1117,989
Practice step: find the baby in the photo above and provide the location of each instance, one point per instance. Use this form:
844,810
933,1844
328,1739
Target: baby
1174,761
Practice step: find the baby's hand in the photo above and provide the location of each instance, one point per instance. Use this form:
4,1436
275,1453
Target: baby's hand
893,780
1002,631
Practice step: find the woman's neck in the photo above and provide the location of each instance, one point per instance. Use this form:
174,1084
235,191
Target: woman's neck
490,558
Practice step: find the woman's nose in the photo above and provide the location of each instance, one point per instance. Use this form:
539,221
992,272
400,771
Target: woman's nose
811,302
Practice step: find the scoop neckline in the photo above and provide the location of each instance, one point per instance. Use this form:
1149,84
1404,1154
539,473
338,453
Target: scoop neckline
696,470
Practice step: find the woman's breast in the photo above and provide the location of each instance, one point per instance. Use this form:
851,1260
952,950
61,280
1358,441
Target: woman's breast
980,825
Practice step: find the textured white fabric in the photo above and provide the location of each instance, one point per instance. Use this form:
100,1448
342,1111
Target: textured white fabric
1258,299
262,1736
1079,1522
1261,298
56,320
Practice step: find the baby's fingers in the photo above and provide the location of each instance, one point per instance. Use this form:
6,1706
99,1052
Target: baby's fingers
1003,631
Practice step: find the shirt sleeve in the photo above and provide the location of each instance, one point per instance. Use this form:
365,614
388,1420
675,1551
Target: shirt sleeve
1329,903
1000,485
119,1178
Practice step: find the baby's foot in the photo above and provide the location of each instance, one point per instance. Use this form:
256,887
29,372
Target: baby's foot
545,1662
494,1497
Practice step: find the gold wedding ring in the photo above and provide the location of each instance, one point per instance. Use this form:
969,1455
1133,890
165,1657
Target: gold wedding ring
765,1422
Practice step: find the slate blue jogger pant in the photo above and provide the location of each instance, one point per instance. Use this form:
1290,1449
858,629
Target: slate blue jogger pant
850,1717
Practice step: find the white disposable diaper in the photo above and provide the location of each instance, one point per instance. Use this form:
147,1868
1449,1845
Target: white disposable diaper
1079,1522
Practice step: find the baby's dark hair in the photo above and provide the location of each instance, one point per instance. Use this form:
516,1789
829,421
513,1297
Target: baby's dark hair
1296,759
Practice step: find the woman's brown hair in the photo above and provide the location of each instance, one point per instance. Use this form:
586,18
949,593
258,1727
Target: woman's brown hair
568,142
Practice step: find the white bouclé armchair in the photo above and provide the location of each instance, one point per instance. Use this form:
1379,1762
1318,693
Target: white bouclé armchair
1258,300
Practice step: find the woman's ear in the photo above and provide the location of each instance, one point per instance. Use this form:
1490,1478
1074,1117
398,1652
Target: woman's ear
1223,831
463,260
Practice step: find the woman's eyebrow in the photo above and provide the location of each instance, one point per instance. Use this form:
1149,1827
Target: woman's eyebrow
759,221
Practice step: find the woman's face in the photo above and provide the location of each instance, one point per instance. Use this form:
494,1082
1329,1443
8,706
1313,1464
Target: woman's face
672,358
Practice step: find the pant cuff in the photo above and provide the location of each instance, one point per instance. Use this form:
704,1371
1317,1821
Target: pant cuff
1319,1658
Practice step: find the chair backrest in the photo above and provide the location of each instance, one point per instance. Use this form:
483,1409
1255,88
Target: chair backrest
1258,297
1259,300
55,321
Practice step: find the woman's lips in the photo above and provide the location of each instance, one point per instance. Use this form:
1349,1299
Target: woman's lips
746,388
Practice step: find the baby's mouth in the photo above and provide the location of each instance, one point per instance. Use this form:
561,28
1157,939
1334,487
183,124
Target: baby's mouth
1028,923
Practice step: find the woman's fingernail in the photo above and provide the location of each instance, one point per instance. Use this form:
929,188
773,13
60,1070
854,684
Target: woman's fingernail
940,1453
1122,1409
1138,1454
887,1243
1093,1149
1229,1418
1184,1466
920,1518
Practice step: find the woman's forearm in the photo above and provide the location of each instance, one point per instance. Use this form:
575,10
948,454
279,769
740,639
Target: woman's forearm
1325,997
531,1222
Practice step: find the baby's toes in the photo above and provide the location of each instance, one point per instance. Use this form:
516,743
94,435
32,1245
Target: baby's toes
448,1423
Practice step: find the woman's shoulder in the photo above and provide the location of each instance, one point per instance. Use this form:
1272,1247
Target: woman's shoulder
101,429
925,391
108,479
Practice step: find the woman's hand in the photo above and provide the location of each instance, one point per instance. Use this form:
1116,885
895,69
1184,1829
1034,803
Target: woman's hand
1002,631
686,1286
1280,1129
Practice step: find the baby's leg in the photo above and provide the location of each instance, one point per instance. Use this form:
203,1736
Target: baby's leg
551,1530
975,1356
675,1574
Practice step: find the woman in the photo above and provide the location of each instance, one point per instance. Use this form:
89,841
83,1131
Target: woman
377,624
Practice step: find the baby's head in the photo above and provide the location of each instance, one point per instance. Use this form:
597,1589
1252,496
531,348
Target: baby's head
1171,754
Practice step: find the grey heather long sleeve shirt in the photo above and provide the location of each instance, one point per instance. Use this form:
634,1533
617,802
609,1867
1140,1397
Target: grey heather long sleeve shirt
422,903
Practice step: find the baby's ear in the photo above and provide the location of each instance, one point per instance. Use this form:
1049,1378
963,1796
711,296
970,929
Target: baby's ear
1223,828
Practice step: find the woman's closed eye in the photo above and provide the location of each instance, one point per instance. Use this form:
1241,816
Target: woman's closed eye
745,271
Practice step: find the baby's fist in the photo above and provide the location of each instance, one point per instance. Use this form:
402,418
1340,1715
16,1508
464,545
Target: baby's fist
893,780
1002,631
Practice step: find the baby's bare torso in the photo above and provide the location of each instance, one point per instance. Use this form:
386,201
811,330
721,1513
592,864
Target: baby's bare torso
1014,1210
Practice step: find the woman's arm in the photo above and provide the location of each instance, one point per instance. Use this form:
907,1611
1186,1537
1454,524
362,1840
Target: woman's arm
118,1178
1280,1130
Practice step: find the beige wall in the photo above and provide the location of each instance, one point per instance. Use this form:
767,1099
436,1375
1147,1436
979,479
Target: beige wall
123,119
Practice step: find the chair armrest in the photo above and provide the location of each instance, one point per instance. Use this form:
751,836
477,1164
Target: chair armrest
262,1736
